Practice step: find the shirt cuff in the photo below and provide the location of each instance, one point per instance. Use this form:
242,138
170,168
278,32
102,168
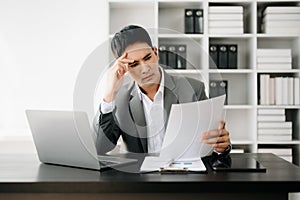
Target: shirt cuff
107,107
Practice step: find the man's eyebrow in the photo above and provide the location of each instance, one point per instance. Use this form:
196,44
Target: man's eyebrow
147,55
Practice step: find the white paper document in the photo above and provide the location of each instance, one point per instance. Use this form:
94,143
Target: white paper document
186,123
152,164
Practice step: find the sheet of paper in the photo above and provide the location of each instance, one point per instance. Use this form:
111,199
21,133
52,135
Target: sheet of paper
186,124
152,163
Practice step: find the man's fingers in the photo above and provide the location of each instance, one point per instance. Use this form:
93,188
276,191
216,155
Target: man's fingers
221,124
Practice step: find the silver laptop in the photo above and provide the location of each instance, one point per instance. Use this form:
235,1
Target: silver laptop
65,138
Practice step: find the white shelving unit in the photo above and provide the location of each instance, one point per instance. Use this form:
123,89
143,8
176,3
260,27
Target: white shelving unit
165,21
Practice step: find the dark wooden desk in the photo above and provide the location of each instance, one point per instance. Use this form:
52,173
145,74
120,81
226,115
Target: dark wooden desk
24,177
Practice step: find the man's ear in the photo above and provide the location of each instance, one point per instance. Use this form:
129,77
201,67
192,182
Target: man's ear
155,50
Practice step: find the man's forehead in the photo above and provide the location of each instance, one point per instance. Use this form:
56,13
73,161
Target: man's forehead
138,49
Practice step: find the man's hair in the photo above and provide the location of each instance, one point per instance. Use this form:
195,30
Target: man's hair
127,36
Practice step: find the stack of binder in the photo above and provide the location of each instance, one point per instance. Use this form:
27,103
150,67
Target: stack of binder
284,153
193,21
272,125
225,20
172,56
274,59
218,88
281,20
279,90
223,56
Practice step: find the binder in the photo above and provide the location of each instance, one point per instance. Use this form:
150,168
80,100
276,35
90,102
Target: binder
223,56
162,52
172,56
213,89
189,21
181,56
222,89
198,20
213,54
232,56
218,88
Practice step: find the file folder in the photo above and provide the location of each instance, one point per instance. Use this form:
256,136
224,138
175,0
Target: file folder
198,21
223,56
232,56
213,54
189,21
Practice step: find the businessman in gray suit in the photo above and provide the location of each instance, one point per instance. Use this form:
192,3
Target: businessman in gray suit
139,110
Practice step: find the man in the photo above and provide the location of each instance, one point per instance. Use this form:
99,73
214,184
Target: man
138,111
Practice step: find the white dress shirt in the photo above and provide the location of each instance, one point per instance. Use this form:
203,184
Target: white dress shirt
154,115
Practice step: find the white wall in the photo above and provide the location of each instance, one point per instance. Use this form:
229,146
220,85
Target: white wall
43,44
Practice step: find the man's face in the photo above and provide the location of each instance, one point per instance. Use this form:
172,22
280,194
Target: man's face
144,70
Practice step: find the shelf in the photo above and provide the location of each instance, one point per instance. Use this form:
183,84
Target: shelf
243,84
231,71
289,71
237,107
245,35
265,35
170,35
241,142
280,142
279,106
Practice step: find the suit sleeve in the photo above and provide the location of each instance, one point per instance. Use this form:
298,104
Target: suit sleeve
108,133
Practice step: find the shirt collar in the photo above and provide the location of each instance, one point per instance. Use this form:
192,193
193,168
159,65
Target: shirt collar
160,89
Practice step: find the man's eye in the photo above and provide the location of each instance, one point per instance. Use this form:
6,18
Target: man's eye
133,65
148,58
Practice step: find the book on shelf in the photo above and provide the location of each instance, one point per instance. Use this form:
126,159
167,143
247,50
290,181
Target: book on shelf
290,98
237,151
274,52
284,153
221,24
271,118
271,111
274,137
281,10
297,90
275,131
281,17
281,66
285,90
272,91
233,30
278,91
225,17
274,125
277,151
280,30
264,89
218,88
162,52
274,59
225,9
281,24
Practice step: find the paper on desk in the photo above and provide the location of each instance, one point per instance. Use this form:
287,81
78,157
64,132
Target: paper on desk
186,124
152,163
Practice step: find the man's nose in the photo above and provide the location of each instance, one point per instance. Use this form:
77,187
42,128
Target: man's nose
145,67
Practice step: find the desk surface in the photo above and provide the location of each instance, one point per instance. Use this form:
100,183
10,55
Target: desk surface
24,173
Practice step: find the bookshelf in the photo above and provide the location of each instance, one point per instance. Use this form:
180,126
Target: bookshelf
165,21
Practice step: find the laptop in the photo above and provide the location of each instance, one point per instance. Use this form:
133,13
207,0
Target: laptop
65,138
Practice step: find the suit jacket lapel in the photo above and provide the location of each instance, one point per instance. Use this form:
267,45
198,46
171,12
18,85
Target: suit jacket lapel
137,111
169,96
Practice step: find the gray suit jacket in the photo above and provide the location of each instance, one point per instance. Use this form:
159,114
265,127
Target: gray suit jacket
128,118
